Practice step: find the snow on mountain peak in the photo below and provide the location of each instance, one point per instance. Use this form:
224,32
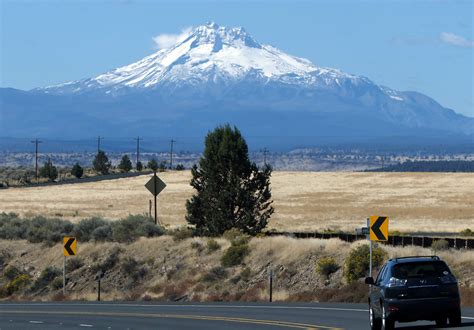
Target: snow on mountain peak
210,53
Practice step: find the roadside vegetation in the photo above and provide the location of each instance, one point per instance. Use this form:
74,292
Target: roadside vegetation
163,268
50,231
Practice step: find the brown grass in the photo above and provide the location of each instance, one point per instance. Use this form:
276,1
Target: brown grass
429,202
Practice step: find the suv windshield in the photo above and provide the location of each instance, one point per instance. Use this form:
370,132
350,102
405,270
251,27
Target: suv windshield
420,269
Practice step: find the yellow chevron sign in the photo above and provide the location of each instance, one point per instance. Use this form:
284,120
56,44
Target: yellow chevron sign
69,246
378,228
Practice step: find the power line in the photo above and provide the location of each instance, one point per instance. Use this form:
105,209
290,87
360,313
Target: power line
36,142
265,151
98,143
138,148
171,154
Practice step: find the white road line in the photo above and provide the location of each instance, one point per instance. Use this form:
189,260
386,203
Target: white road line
207,306
86,325
36,322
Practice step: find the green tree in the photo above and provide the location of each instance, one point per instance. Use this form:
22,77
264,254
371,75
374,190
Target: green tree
49,170
152,164
179,167
139,166
101,163
162,166
77,171
232,192
125,164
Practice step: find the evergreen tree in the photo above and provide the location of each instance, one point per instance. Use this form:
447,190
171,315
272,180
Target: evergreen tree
162,166
139,166
152,164
101,163
125,164
49,170
77,170
232,192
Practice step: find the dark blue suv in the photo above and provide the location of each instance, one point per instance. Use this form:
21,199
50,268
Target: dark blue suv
414,288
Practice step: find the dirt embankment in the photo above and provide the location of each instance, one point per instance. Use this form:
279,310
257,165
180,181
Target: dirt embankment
191,270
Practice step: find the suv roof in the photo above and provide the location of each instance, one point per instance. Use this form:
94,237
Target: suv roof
414,259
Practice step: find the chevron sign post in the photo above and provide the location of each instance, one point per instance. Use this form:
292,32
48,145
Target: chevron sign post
69,249
376,230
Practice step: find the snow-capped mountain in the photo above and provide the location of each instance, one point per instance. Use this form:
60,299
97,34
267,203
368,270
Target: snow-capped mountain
215,74
212,53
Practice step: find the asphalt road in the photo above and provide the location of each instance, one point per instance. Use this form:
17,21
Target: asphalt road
106,315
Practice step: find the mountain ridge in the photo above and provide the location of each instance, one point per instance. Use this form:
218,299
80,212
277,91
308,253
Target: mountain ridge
215,75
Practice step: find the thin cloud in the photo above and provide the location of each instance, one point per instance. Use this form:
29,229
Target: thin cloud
165,40
455,40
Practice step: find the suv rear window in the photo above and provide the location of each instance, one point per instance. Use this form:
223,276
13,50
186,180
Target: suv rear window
420,269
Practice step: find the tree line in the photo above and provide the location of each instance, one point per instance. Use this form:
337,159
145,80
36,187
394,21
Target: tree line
102,166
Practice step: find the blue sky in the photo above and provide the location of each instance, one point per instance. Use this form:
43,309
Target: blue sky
407,45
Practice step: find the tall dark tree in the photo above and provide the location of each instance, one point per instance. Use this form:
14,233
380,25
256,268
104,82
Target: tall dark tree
152,164
49,170
139,166
232,192
101,163
125,164
77,170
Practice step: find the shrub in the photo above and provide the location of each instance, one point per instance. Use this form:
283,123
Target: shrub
73,263
234,255
139,166
197,246
12,227
129,229
179,167
110,261
245,274
129,265
467,232
77,171
357,262
181,233
46,230
46,277
102,233
212,245
326,266
11,272
57,283
440,245
18,283
84,229
215,274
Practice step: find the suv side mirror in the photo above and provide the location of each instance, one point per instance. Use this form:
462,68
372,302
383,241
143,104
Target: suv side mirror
369,280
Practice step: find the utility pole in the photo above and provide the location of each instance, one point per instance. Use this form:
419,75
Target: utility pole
265,152
98,143
171,154
382,162
138,148
36,142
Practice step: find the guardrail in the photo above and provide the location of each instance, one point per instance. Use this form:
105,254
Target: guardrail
423,241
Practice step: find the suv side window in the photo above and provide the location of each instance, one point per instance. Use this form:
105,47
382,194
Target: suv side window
381,275
387,274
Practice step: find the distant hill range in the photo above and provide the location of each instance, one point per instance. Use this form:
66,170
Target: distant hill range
216,75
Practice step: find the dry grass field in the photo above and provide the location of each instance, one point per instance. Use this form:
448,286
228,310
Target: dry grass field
423,202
